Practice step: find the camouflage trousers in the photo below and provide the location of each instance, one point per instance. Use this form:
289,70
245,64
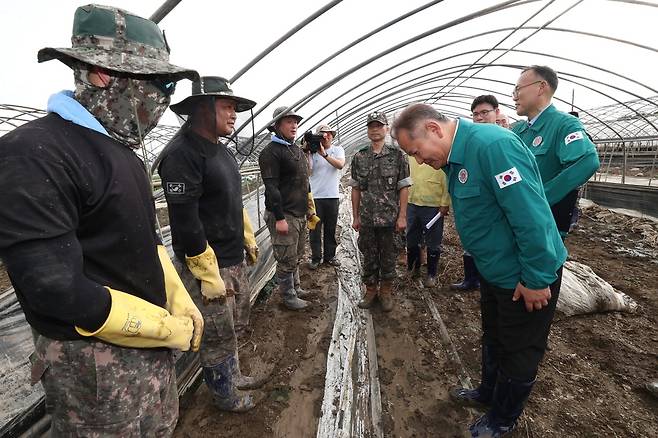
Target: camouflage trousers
288,249
242,295
94,389
218,341
378,246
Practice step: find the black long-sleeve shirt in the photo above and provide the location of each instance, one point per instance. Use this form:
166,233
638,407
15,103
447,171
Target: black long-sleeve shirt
203,187
285,172
76,215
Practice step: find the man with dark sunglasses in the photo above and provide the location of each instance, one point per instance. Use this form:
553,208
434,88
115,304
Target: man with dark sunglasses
104,301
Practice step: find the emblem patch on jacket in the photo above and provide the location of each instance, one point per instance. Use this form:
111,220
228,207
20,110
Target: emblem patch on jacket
578,135
507,178
176,188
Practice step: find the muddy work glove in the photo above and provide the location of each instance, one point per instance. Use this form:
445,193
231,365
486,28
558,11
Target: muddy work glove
179,302
250,245
205,268
312,218
137,323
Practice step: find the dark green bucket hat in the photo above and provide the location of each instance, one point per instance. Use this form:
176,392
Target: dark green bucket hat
117,40
211,86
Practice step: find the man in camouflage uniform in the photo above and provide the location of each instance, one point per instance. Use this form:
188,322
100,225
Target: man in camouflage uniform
95,283
380,188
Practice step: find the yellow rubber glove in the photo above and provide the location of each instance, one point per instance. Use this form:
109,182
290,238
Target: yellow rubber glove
134,322
205,268
250,244
312,219
179,302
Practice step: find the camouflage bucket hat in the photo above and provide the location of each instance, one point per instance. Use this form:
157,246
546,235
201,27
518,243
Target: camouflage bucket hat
211,86
280,113
117,40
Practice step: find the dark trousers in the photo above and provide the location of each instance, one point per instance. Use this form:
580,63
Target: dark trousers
417,217
519,336
327,211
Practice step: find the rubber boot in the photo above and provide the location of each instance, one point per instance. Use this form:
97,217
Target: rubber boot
386,295
483,394
413,262
432,267
369,297
220,379
246,382
301,293
471,281
288,293
508,401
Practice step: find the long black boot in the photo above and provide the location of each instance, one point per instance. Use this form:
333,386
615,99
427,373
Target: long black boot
483,394
509,399
432,267
413,261
220,379
471,280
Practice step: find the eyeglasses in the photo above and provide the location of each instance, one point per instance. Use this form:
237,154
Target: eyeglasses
515,93
167,87
482,113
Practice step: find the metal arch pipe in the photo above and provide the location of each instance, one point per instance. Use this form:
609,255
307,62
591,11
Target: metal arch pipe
420,36
288,34
466,67
164,10
561,100
502,30
333,55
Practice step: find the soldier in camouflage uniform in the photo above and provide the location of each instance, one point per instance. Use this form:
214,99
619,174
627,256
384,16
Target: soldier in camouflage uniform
380,187
95,283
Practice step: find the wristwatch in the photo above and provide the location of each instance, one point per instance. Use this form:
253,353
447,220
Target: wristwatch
325,155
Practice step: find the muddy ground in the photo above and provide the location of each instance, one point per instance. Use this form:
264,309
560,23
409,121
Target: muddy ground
591,383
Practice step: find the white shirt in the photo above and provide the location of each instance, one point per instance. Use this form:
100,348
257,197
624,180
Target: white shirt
325,177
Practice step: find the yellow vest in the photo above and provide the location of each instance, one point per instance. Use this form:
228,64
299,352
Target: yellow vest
430,188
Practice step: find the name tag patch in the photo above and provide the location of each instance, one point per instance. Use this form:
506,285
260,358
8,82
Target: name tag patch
176,188
508,178
578,135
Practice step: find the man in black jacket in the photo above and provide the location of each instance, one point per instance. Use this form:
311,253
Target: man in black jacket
210,229
288,203
77,236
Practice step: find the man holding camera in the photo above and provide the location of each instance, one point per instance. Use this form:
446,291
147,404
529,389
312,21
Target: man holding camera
380,188
288,203
325,162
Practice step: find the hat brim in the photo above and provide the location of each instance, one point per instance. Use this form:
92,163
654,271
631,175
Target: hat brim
187,105
117,61
299,119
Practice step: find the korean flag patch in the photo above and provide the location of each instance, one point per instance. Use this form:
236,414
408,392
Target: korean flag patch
507,178
176,188
578,135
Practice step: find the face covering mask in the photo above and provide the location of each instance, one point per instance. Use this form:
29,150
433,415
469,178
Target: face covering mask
127,108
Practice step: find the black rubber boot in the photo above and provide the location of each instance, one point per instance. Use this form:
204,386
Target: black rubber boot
483,394
471,281
220,379
509,399
432,267
413,261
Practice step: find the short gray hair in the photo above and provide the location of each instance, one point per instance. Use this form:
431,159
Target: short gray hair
409,119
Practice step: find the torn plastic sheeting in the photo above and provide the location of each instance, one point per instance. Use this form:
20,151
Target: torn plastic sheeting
351,406
582,291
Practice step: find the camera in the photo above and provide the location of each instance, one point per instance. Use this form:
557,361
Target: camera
312,141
